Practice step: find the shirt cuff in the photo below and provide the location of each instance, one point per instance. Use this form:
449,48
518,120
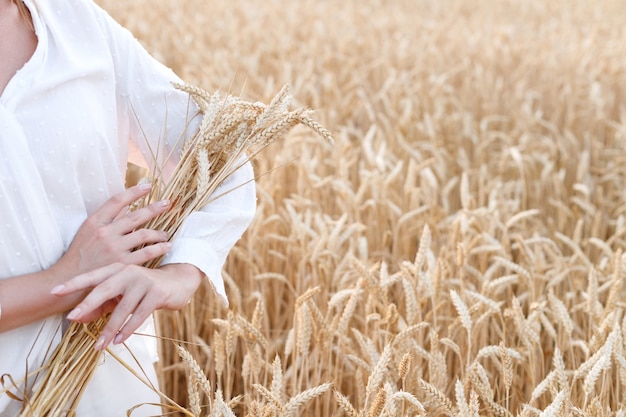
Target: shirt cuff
201,255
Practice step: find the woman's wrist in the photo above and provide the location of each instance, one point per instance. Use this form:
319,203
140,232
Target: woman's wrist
186,275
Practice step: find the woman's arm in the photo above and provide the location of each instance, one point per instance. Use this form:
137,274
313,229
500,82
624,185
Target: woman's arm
27,298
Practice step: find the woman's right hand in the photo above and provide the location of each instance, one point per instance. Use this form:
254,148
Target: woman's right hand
112,234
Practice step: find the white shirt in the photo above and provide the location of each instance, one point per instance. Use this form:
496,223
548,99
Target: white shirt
66,119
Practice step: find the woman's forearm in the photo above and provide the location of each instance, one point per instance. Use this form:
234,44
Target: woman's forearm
26,298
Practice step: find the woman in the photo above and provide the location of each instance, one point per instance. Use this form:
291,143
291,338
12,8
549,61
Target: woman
75,87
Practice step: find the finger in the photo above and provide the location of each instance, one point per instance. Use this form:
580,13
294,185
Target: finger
143,255
87,280
139,217
124,211
114,205
139,316
105,308
140,237
124,309
110,288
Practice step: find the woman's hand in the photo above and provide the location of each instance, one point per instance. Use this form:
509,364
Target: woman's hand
132,293
111,235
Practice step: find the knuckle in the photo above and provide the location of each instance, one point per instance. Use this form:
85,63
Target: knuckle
139,316
108,331
105,290
101,233
124,306
143,235
119,265
110,246
90,223
159,292
110,252
135,216
151,251
134,258
118,199
155,208
131,270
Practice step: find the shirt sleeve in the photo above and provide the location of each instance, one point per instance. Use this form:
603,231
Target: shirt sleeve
159,117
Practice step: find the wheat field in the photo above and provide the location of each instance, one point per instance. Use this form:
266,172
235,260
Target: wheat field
460,249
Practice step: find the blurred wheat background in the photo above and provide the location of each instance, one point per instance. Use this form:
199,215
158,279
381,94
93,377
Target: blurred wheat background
460,249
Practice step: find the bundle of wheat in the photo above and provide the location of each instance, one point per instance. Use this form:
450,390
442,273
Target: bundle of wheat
232,132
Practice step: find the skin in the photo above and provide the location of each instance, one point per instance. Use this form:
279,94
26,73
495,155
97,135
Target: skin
100,272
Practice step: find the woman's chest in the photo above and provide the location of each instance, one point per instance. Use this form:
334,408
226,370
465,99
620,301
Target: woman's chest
67,128
69,123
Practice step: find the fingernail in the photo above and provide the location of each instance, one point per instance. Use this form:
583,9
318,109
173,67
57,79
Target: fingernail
164,203
118,339
73,314
99,343
145,186
57,289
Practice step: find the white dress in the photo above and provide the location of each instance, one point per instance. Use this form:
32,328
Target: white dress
66,121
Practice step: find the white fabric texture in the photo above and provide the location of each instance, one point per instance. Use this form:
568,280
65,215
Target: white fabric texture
66,121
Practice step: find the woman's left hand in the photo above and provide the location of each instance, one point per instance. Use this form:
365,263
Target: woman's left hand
132,293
